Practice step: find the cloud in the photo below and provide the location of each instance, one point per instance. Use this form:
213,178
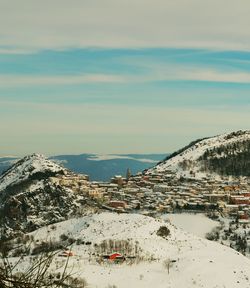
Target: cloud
155,70
101,119
29,80
154,73
215,76
184,73
103,129
16,51
65,24
103,157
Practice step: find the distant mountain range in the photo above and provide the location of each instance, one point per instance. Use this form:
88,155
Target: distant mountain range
224,155
98,167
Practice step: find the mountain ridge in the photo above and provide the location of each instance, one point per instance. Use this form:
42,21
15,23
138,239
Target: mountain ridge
204,156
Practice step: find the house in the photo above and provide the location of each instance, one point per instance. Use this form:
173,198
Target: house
119,180
243,221
240,200
117,204
96,193
231,209
114,257
67,253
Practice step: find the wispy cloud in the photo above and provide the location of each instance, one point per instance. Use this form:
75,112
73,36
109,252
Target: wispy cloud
67,24
155,70
96,129
103,157
209,75
160,74
16,51
29,80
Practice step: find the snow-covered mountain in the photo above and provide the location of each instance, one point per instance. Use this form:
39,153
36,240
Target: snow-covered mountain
29,199
227,154
33,167
157,254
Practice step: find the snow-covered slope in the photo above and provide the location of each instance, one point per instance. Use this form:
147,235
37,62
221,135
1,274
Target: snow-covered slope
29,200
197,158
195,262
28,167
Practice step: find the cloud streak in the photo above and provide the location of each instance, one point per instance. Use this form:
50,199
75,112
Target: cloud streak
16,51
159,74
29,80
110,128
64,24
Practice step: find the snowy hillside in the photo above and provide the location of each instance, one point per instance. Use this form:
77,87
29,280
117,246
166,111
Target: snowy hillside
194,262
30,200
226,154
29,166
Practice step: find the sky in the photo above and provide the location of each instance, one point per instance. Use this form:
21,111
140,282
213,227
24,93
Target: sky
116,76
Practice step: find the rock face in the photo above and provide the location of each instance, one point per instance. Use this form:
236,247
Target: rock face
223,155
29,200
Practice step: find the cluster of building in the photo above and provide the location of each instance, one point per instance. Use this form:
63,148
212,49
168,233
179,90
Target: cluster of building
165,193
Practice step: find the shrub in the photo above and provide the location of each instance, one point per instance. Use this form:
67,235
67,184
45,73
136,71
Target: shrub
64,237
46,247
163,232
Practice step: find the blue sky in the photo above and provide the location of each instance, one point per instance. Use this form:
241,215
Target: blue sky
120,86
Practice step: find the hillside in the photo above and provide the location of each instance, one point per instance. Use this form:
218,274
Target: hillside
148,245
32,167
223,155
29,199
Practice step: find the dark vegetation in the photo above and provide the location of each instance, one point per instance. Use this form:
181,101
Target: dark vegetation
163,232
234,236
232,159
52,204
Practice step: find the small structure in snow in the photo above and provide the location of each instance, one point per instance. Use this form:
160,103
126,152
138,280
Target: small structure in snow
67,253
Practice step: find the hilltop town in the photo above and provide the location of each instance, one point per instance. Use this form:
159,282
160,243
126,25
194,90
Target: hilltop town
226,199
165,193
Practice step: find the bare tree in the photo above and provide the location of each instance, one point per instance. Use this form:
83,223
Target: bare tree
38,275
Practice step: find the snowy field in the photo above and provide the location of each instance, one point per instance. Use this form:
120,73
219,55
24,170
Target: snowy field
197,224
196,262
